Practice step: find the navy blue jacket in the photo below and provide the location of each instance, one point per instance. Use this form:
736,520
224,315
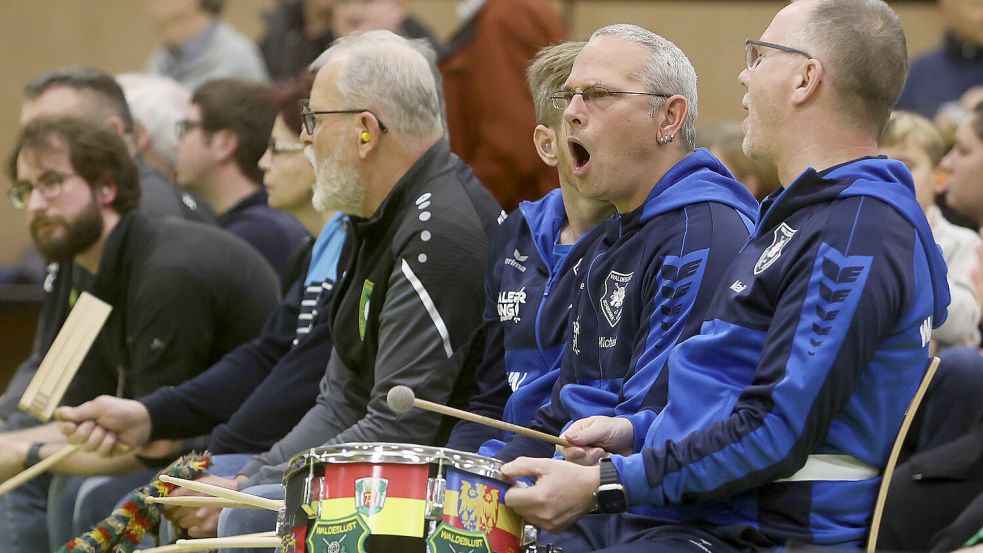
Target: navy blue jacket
644,285
528,286
809,357
272,232
260,390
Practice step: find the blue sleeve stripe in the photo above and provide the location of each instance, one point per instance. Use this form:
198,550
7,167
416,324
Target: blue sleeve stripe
856,222
680,279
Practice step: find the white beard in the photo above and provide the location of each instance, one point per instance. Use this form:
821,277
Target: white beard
338,188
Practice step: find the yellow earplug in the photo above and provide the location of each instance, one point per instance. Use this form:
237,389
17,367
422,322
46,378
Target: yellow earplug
366,136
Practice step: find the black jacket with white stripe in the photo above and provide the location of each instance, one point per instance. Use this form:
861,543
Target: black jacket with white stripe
405,312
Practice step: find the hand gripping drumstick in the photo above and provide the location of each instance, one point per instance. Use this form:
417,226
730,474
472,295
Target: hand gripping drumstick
224,493
401,400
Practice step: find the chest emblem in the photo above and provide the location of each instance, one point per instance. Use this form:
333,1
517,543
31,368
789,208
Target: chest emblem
782,236
613,300
508,304
364,306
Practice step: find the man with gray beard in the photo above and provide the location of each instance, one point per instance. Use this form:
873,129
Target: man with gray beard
410,297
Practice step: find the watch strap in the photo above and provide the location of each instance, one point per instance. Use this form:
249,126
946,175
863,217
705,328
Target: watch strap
33,456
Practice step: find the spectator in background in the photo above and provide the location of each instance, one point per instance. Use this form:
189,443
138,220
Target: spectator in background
490,113
88,92
963,168
914,141
198,46
287,173
157,104
940,481
226,131
939,78
724,140
368,15
296,32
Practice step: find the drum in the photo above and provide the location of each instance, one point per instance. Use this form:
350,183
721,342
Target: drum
375,497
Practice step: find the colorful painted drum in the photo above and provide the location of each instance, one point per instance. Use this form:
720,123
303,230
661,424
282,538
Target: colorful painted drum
374,497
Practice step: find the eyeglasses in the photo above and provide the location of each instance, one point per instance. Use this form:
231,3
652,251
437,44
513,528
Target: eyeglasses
184,126
595,96
752,52
49,185
283,147
310,117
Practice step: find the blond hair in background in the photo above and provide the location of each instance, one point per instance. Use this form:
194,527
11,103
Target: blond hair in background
724,140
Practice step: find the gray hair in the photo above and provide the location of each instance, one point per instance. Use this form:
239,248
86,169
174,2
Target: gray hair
392,76
864,46
157,103
667,71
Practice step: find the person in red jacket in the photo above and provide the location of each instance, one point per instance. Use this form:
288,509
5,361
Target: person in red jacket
490,114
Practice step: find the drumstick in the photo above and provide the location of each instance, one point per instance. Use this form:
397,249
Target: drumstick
224,493
197,545
266,539
31,472
199,501
401,399
43,465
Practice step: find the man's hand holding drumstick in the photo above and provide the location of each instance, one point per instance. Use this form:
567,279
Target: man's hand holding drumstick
97,425
594,438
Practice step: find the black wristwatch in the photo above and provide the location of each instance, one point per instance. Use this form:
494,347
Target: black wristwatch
610,495
33,456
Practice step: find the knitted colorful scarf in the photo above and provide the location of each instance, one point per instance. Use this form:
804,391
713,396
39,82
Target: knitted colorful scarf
123,530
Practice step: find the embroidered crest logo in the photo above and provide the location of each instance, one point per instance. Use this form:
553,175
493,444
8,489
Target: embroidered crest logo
613,300
370,495
363,307
478,506
783,234
341,535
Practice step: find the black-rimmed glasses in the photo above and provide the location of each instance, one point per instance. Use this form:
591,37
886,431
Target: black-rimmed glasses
49,185
752,52
595,96
310,117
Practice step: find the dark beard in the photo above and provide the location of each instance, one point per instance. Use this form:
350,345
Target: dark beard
79,234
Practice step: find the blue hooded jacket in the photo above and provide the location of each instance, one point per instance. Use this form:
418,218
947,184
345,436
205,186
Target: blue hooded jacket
784,408
644,285
528,286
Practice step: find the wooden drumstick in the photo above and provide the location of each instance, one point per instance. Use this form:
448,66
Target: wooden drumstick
401,399
47,463
224,493
262,539
42,466
199,501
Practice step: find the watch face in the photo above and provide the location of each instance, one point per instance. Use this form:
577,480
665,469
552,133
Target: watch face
611,499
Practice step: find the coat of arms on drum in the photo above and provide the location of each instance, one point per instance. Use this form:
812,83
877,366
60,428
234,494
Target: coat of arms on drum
370,495
478,506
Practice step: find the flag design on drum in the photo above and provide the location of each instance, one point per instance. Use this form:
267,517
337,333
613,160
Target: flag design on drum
390,498
477,504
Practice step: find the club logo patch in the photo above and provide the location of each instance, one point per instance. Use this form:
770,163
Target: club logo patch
783,235
364,304
613,300
370,495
